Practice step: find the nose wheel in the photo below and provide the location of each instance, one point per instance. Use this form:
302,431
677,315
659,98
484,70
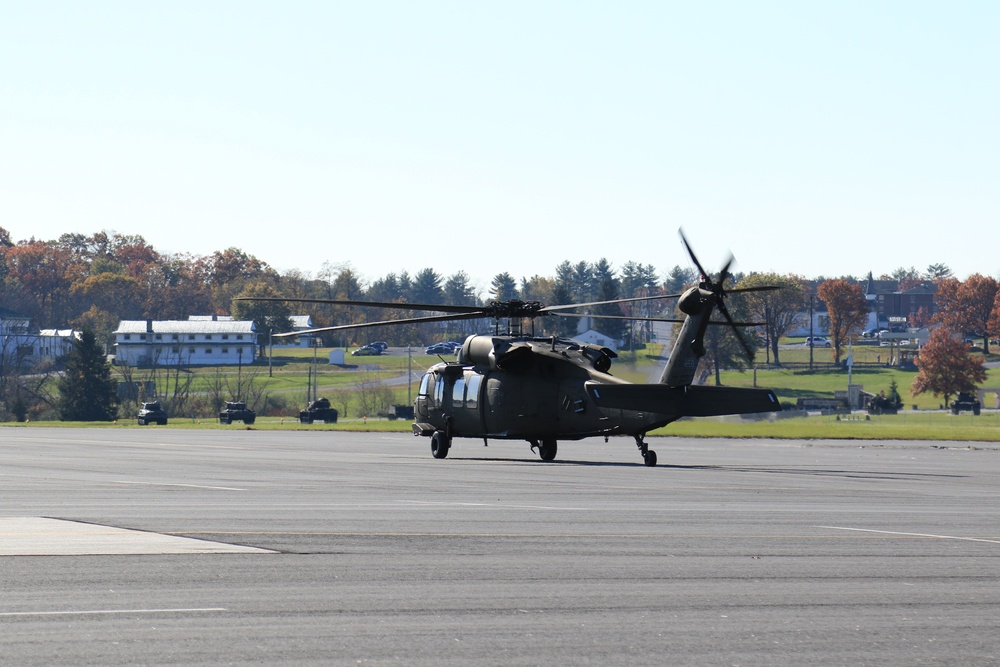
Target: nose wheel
648,455
440,444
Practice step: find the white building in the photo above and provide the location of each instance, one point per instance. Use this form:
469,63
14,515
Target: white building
585,334
220,341
299,323
52,344
15,341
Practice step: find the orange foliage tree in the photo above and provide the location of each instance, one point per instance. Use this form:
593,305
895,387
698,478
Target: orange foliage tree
946,367
847,310
966,307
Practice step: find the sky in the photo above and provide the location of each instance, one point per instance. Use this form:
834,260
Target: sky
820,139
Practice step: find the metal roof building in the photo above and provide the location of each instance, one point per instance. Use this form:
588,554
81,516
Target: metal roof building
185,342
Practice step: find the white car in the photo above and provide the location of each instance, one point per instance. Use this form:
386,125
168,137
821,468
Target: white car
818,341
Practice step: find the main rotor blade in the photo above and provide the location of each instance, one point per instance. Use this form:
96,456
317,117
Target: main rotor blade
657,319
568,306
761,288
365,325
441,308
620,317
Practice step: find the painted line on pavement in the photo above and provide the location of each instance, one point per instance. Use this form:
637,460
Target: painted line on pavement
928,535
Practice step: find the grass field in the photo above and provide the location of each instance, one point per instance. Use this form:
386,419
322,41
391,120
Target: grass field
921,419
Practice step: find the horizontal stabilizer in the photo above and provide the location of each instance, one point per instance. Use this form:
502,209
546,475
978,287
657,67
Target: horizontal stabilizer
691,401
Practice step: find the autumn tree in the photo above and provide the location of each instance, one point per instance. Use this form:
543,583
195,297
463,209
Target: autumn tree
537,288
779,309
43,274
847,311
226,272
966,307
267,316
946,367
994,323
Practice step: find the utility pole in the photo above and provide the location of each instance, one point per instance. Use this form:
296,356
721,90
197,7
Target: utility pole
315,392
812,298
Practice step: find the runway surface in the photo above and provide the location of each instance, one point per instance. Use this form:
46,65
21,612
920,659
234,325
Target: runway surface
156,546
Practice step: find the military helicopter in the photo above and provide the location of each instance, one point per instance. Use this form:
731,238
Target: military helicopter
516,386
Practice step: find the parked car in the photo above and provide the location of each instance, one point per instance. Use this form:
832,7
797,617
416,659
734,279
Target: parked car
379,345
237,411
965,402
818,341
441,348
319,410
152,413
367,351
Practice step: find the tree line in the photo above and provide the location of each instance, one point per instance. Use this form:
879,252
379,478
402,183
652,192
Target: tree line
92,282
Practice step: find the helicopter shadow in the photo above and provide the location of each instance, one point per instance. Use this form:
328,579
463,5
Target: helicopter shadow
884,475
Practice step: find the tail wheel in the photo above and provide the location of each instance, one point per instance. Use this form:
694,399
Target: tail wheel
440,444
649,458
547,450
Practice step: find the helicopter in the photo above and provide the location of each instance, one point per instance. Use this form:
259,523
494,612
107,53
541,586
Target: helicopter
516,386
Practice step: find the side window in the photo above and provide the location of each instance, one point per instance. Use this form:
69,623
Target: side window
458,393
472,390
439,391
425,383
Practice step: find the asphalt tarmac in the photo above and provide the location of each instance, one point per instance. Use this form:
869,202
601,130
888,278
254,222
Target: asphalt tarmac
167,546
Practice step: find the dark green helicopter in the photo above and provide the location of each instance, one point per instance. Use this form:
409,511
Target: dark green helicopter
521,387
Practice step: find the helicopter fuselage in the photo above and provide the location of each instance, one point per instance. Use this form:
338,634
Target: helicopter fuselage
525,388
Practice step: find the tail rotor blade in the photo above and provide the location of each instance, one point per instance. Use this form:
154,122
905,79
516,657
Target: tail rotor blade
701,269
736,330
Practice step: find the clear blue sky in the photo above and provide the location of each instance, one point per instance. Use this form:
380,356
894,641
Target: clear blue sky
805,137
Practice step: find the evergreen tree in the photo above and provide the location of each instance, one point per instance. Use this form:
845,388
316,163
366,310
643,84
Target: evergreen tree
503,287
86,390
426,287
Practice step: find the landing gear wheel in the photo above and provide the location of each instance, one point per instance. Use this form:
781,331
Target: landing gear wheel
547,450
440,444
648,455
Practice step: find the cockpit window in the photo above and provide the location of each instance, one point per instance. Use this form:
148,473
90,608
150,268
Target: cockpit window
425,382
458,392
